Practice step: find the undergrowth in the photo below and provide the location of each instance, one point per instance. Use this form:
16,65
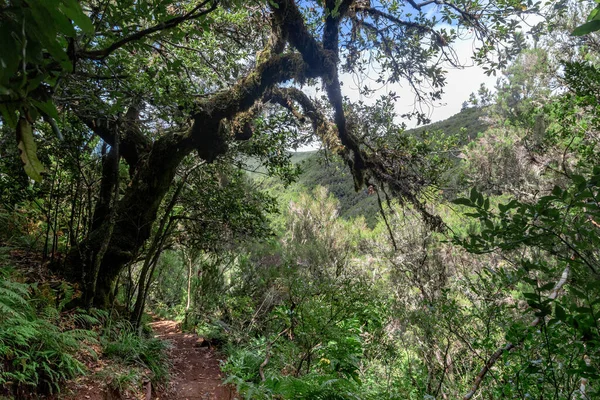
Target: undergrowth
123,343
43,345
242,370
40,347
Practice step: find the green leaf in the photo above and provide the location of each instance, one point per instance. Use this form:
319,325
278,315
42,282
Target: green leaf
586,28
463,201
557,191
47,108
8,115
560,313
72,9
473,195
531,296
28,148
9,52
50,21
547,286
52,46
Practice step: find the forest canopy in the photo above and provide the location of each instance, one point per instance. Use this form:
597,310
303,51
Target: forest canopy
156,81
463,255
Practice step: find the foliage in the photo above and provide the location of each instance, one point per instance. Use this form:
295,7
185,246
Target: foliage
592,24
330,172
524,87
39,348
549,241
576,116
499,162
36,34
43,344
123,343
562,226
311,314
136,120
28,148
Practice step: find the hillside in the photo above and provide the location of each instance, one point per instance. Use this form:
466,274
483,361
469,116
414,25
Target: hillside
334,175
469,118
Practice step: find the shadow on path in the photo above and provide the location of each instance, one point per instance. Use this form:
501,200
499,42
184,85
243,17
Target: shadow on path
195,374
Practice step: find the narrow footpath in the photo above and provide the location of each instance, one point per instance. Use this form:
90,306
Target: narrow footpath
195,374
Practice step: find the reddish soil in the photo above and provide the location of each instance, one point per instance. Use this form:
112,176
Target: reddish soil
195,374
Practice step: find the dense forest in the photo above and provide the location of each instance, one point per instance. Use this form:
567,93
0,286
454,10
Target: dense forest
162,237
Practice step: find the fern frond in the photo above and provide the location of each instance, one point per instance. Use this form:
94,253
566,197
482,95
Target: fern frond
21,288
83,319
7,294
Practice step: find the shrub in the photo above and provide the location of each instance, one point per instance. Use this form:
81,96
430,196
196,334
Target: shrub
122,342
36,353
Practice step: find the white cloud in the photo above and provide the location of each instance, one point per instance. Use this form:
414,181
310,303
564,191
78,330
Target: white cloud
460,83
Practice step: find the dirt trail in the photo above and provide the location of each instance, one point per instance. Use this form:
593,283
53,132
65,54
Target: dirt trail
195,374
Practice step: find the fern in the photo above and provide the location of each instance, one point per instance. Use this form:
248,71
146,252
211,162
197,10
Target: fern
7,310
84,319
17,287
313,386
100,315
122,342
35,353
67,292
13,299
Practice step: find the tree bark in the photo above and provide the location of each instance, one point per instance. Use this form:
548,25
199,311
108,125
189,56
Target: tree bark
135,213
112,170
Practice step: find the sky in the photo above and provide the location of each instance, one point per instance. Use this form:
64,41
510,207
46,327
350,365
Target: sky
460,83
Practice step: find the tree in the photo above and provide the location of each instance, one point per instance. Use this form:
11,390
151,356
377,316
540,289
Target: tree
157,81
550,239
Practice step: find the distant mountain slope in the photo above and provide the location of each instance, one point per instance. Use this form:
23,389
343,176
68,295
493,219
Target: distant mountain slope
469,118
336,177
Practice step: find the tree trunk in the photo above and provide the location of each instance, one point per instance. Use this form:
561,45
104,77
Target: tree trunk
109,221
190,262
135,213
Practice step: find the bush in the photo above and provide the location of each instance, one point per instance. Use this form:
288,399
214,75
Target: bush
36,354
123,343
243,364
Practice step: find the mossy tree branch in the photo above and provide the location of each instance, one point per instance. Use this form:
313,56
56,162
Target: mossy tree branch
133,144
324,57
